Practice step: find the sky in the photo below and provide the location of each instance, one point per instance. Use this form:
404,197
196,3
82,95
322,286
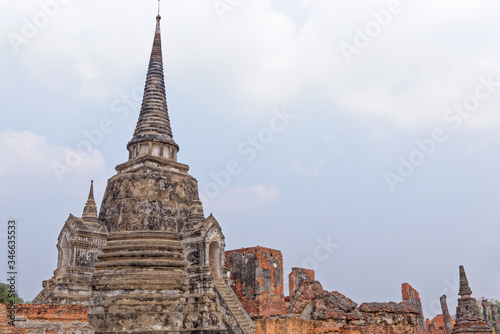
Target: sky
360,138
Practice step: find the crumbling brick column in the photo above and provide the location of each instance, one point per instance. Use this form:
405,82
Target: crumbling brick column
446,314
297,276
257,275
411,296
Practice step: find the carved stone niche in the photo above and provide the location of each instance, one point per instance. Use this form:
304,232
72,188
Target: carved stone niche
214,248
78,246
65,257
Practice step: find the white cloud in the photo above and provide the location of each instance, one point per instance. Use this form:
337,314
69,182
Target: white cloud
484,144
415,68
308,169
425,60
28,154
245,198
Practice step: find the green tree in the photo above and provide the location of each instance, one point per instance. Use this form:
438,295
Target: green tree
6,297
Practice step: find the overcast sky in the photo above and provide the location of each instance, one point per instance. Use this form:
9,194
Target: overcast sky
360,138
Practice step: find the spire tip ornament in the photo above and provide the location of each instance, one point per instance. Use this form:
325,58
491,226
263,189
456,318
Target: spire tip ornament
90,209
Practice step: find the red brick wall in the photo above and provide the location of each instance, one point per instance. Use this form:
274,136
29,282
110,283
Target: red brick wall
62,318
5,328
285,325
57,313
257,273
266,307
436,325
293,326
409,293
253,261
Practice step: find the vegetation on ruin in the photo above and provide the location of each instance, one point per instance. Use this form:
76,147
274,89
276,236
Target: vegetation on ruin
8,298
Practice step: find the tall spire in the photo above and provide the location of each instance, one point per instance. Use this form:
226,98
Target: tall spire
153,135
90,210
464,290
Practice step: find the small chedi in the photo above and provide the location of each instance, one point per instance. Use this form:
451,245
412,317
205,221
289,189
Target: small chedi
468,315
150,262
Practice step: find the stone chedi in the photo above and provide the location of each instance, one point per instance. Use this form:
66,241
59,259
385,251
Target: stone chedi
155,263
468,314
79,244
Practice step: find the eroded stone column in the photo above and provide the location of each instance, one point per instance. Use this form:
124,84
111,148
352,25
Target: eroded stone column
486,312
446,314
495,321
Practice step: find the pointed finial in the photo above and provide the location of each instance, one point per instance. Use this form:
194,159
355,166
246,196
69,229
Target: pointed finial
90,209
158,7
153,135
464,290
91,192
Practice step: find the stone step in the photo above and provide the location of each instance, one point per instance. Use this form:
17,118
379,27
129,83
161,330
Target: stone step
232,304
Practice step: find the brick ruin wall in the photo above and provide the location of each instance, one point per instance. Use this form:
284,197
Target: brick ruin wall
411,296
436,325
372,318
257,276
47,319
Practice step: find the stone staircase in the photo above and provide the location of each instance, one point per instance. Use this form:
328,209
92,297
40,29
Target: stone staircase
235,306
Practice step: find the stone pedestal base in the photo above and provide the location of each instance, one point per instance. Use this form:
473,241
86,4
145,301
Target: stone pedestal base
471,326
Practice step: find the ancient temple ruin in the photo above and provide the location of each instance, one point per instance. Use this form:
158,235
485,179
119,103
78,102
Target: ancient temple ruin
150,262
